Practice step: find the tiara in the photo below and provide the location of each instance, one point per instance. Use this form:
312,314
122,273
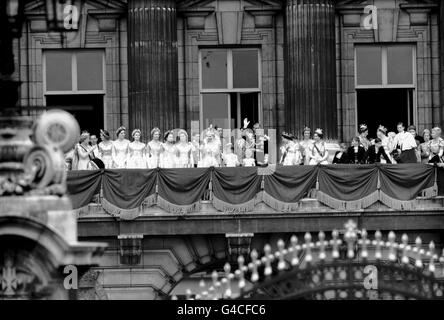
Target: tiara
319,131
382,128
306,129
363,126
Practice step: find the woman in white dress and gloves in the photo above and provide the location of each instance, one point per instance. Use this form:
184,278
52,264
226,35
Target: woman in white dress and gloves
168,158
210,150
136,152
105,149
120,149
318,153
185,151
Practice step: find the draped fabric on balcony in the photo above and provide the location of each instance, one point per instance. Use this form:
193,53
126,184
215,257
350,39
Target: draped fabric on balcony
83,185
180,190
124,191
286,187
396,191
236,190
348,187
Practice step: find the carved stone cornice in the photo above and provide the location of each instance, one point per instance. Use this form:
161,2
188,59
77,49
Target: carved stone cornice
195,17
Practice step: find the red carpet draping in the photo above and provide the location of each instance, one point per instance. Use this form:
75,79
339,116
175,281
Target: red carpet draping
341,187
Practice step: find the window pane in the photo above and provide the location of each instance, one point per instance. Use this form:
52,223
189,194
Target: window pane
400,65
58,71
214,69
90,70
245,69
369,65
215,110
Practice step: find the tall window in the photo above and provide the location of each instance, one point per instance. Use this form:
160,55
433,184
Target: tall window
385,81
79,72
74,80
230,87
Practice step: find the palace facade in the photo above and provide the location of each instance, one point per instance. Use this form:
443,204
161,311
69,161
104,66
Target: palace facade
188,63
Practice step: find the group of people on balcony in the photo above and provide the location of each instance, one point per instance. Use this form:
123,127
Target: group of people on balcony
175,150
403,147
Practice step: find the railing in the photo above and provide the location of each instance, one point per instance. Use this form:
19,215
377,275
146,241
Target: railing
126,193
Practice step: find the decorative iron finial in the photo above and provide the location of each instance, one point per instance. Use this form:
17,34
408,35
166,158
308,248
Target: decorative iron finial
350,237
228,275
378,243
417,249
335,243
391,245
295,248
282,264
267,260
364,243
432,257
254,264
322,244
308,256
405,248
241,273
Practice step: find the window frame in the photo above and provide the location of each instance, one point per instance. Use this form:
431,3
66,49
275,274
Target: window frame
384,76
230,89
384,73
74,78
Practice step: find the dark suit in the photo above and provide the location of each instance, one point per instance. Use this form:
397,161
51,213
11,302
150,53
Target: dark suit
375,157
342,160
356,158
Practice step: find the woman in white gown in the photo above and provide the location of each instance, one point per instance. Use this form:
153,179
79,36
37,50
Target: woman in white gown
82,152
185,149
105,149
168,158
136,153
306,143
210,150
318,153
120,149
291,151
154,149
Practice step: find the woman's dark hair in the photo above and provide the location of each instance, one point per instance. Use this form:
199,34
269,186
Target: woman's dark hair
165,137
377,140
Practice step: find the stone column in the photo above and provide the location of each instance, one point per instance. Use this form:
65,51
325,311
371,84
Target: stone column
152,65
310,66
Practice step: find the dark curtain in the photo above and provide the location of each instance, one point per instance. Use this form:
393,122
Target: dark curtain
82,186
183,187
290,184
236,185
348,182
127,189
405,181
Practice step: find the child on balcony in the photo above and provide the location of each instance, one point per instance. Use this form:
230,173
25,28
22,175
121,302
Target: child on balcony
229,158
248,161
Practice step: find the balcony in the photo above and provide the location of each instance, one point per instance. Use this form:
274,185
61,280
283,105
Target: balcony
257,200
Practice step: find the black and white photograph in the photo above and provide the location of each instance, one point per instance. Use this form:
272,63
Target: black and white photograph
238,151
